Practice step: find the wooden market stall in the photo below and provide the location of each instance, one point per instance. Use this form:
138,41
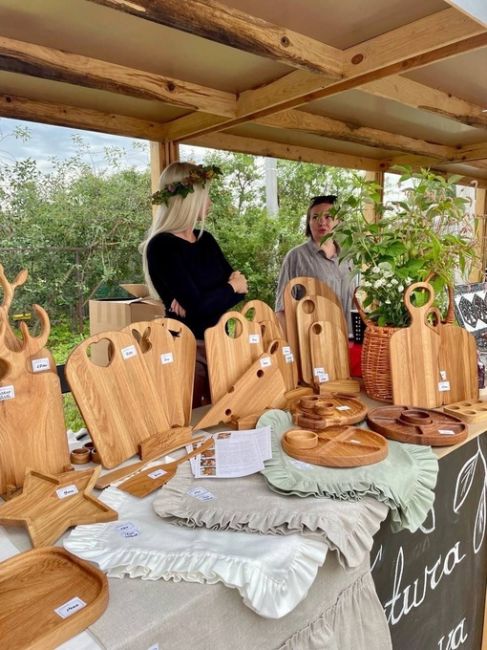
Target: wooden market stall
350,83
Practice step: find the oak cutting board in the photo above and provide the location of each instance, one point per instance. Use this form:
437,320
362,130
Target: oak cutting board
458,359
228,352
414,352
282,353
257,311
185,347
329,351
119,402
32,427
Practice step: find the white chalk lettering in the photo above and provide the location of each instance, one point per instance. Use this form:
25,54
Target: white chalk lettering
456,637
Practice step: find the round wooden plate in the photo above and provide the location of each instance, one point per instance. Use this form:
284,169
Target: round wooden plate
316,412
336,446
417,426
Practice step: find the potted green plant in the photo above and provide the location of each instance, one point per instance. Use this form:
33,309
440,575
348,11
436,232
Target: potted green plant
425,235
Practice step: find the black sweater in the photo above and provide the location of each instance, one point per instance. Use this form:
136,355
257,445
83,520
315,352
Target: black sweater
195,274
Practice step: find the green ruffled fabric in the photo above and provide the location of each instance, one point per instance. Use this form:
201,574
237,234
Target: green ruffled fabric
404,481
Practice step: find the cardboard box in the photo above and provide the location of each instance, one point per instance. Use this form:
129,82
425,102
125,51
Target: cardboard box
111,314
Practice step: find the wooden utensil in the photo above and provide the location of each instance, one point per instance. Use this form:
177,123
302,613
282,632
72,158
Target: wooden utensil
313,309
49,505
47,596
414,353
259,388
317,412
228,356
149,479
329,352
32,427
471,411
185,349
119,402
159,353
417,426
336,446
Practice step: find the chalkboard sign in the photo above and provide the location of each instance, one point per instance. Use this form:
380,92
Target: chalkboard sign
432,583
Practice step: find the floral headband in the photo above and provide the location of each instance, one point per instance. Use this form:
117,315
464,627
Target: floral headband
200,175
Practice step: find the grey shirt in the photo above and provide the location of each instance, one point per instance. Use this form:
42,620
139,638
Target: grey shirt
309,260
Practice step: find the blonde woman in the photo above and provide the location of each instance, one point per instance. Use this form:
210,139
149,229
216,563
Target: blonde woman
184,265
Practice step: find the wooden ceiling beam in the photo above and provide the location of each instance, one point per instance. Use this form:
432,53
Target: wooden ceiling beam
58,65
22,108
417,95
229,26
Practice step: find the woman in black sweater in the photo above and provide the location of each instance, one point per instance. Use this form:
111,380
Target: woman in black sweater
183,265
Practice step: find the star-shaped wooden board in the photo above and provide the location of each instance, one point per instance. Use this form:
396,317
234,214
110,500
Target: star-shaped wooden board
49,505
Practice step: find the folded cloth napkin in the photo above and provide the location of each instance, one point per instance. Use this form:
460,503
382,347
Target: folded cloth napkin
404,481
272,573
247,505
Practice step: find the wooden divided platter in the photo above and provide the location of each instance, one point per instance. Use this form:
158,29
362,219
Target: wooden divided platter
468,410
318,412
417,426
49,505
119,402
47,596
335,446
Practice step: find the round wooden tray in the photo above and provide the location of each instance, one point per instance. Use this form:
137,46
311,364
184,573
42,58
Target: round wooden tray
316,412
336,446
417,426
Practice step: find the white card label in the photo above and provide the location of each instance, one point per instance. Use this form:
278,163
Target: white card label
443,386
167,357
289,358
156,473
286,350
201,493
70,608
443,376
446,432
66,491
6,392
343,407
265,362
129,352
155,646
318,371
254,338
128,530
38,365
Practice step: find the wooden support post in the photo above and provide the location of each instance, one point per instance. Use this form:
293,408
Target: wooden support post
477,272
161,155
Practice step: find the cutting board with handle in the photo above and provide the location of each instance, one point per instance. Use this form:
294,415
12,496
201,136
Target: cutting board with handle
119,402
157,347
282,353
228,352
295,290
185,354
308,311
329,352
259,388
414,353
257,311
32,427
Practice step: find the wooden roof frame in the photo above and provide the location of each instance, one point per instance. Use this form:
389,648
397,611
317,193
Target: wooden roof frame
317,70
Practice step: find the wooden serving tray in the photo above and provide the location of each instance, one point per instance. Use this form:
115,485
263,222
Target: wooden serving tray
468,410
336,446
317,412
33,585
417,426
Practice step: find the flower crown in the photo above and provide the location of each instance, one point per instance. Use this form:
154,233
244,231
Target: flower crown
200,175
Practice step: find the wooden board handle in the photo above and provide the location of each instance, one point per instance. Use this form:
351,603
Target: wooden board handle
419,314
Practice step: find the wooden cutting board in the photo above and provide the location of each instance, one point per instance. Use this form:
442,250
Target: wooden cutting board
259,388
336,446
228,356
119,402
295,290
257,311
37,588
8,293
281,352
159,353
49,505
271,330
458,360
32,427
417,426
185,347
309,310
329,352
414,352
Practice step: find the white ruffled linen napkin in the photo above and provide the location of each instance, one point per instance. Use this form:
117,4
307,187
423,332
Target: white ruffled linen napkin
248,505
272,573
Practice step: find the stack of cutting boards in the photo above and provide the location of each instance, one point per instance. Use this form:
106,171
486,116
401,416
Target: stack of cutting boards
432,363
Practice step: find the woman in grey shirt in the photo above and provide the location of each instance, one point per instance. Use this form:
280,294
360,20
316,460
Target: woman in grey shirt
313,259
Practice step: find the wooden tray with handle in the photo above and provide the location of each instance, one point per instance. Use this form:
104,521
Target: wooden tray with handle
471,411
32,427
119,402
47,596
335,446
414,355
417,426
